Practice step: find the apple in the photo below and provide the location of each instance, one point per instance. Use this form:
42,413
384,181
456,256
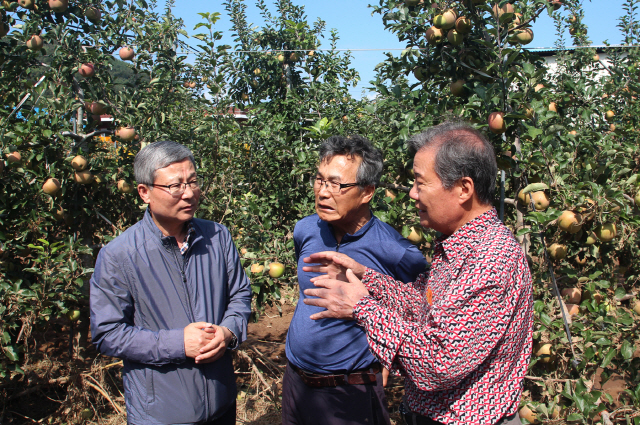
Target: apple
311,53
553,107
612,127
192,84
636,199
280,57
14,157
540,199
538,87
570,222
87,70
35,43
524,36
93,14
636,307
389,194
573,133
420,73
244,251
51,186
257,71
557,4
606,232
416,236
59,214
455,38
496,122
245,97
59,5
573,309
438,21
557,251
596,58
545,351
276,269
126,53
83,177
572,295
463,25
528,414
499,11
79,163
434,35
517,19
96,108
124,186
257,268
73,315
609,115
293,57
457,87
126,134
573,19
27,4
449,18
86,413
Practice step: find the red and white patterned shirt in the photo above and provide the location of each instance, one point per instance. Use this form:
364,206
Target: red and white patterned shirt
461,334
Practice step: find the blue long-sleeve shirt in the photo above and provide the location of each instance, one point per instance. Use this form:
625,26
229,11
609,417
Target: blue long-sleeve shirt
331,345
143,293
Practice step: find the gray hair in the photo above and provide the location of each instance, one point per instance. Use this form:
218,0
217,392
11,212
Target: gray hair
369,170
158,155
462,151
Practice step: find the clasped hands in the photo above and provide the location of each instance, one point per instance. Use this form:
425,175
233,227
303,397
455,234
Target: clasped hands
205,342
339,289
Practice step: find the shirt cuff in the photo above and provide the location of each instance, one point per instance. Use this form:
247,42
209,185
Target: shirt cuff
374,318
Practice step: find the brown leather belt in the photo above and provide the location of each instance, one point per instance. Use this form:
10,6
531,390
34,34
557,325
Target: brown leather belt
356,377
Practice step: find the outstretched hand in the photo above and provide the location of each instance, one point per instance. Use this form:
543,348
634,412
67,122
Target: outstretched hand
334,265
338,297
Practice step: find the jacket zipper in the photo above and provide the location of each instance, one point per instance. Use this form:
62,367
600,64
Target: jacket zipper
184,279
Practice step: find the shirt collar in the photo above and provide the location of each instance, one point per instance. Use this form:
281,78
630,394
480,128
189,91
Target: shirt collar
465,235
166,240
361,231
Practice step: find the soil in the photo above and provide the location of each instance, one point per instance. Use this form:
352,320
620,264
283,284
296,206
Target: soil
86,387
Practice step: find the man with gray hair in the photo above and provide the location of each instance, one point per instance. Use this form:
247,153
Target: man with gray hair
169,296
461,333
331,376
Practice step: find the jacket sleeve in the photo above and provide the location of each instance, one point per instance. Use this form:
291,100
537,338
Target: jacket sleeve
453,340
112,322
239,307
404,299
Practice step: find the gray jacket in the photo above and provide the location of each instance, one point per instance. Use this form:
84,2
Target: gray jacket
143,293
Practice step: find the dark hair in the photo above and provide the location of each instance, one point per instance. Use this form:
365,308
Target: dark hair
370,169
462,151
158,155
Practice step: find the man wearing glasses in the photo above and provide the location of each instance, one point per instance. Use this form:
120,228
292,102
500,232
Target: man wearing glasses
169,296
331,376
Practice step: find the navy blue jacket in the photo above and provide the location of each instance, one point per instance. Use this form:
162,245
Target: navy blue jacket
331,345
143,293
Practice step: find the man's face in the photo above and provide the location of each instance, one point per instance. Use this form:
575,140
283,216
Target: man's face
438,208
165,207
346,207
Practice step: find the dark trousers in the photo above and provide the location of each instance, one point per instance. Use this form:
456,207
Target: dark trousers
340,405
228,418
415,419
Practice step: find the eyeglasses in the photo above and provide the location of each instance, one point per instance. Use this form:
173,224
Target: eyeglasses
177,189
333,187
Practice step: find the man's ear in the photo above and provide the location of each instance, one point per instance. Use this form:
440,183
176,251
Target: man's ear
367,193
143,191
467,189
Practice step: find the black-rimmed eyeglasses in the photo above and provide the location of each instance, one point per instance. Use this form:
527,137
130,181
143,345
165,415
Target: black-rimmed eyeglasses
333,187
177,189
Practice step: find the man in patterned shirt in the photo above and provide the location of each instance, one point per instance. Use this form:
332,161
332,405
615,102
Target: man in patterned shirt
461,333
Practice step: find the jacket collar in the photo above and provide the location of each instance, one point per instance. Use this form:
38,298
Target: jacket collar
463,238
166,241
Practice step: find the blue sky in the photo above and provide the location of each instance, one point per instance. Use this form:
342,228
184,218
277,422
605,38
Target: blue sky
359,30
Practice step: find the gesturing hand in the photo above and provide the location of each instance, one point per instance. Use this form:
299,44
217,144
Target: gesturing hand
336,296
334,265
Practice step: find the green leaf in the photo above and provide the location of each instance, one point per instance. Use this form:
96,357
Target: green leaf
535,187
626,349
